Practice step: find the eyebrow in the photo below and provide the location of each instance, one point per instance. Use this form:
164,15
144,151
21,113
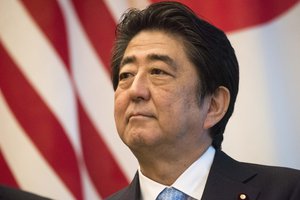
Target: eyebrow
127,60
164,58
151,57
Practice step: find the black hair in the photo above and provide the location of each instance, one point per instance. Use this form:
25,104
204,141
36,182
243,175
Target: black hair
206,46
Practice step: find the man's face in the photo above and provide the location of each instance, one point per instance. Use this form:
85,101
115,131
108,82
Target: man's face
156,99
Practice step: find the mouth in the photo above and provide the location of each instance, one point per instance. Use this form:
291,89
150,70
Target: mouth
139,116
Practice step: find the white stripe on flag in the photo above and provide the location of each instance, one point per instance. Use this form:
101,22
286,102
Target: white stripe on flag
29,167
118,7
95,89
41,65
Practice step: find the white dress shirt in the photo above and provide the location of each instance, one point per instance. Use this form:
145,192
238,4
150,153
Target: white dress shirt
192,181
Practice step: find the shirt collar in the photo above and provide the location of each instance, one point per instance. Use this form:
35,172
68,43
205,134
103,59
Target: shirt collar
191,181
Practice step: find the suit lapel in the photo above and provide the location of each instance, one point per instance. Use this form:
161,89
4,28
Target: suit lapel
132,192
1,192
228,180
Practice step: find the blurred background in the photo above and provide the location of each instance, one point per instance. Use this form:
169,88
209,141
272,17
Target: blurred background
57,132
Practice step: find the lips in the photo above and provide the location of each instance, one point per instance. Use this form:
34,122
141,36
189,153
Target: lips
140,115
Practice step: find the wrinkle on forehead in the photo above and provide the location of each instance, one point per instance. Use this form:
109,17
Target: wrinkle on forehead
150,58
151,46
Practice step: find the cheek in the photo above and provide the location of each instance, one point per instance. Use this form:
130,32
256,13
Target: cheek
170,105
181,102
120,99
181,97
119,109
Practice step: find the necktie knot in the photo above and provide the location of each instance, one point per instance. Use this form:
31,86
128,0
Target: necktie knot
171,194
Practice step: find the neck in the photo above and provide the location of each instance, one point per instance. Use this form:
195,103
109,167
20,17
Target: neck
165,167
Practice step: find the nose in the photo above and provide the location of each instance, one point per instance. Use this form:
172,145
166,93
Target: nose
139,89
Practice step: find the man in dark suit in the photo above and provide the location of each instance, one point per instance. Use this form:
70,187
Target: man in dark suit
8,193
230,180
176,79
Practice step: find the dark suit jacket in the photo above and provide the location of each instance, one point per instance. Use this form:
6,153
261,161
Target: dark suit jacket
7,193
229,179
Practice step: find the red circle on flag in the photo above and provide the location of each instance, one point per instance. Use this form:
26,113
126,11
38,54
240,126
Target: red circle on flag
231,15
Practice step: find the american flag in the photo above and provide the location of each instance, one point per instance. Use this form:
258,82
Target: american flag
57,132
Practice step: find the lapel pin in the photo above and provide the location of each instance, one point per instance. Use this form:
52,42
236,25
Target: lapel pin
243,196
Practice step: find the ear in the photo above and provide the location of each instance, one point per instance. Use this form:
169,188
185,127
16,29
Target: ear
218,105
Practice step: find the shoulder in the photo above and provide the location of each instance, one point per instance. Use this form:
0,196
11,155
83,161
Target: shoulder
276,182
131,192
274,175
225,163
272,182
273,170
118,195
8,193
262,172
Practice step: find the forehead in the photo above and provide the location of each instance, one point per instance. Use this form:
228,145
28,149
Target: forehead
155,42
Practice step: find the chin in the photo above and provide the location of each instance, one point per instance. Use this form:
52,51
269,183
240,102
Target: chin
142,140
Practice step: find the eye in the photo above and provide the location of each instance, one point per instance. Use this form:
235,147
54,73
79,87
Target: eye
124,75
157,71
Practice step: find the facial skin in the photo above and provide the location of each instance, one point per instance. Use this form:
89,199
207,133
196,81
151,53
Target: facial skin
157,112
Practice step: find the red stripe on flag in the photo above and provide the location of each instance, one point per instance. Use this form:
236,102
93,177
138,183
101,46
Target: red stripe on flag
7,177
231,15
100,172
39,123
48,16
99,26
103,169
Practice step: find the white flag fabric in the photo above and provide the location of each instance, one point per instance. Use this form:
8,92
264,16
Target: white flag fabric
57,132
